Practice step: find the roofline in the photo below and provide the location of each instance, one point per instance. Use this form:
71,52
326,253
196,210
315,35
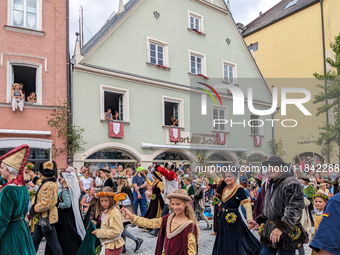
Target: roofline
277,20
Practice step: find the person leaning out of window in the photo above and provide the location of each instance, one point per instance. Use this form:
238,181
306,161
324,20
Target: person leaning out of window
116,115
108,114
32,98
174,122
17,98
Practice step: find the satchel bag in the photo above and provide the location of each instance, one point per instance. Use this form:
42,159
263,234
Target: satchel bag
45,223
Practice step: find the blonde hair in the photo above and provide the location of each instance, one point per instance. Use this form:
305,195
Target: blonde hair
99,207
15,84
190,214
121,183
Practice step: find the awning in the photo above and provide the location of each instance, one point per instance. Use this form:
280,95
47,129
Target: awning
151,146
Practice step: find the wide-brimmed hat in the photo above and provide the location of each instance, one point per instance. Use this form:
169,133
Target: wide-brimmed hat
198,182
180,194
275,161
104,170
121,175
105,194
157,175
305,178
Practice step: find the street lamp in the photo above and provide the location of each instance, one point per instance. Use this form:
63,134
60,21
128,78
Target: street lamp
273,127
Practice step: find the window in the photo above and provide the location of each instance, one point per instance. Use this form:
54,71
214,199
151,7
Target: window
25,14
36,155
197,63
29,75
116,99
173,107
291,4
158,52
229,72
219,113
195,21
254,47
256,125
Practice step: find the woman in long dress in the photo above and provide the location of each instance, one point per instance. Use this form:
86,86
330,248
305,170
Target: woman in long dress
15,237
233,236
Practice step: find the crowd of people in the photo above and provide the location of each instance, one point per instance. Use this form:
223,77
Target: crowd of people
91,210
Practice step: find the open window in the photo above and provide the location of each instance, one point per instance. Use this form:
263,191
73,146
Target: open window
28,74
172,109
116,99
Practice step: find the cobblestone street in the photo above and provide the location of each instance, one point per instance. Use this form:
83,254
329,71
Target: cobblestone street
148,247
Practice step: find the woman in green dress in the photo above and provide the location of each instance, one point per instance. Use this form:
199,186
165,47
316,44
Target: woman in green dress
15,236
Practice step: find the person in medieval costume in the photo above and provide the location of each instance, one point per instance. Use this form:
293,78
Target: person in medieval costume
281,230
123,187
189,188
45,209
233,236
179,232
157,203
70,227
170,184
15,235
217,204
199,202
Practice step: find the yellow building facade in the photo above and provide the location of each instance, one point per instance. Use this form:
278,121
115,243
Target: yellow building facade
289,49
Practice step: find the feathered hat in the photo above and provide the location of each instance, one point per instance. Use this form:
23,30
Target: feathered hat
15,161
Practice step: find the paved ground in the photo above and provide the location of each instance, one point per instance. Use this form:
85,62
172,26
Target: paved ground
148,247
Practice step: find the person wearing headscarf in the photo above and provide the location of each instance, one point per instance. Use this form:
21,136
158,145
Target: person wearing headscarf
233,236
44,207
70,227
123,187
15,235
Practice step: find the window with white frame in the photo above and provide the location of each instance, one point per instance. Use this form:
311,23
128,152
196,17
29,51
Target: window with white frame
172,112
25,14
196,64
115,99
195,21
29,76
229,72
256,125
158,52
219,113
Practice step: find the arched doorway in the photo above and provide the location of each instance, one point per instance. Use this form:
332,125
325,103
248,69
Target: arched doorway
111,157
175,157
220,159
308,154
255,159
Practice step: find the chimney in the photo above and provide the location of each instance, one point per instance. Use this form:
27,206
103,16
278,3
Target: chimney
240,26
121,7
77,53
260,14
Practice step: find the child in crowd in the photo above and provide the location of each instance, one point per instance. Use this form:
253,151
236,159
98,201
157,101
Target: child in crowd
85,202
320,201
109,223
179,232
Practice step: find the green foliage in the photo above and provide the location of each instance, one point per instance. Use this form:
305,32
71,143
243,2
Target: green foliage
330,132
276,148
73,141
241,155
201,156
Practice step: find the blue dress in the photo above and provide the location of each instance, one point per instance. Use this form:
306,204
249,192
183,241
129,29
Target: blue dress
234,238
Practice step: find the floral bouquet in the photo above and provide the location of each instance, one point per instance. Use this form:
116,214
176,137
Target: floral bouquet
32,193
231,218
120,198
30,166
153,196
295,234
261,228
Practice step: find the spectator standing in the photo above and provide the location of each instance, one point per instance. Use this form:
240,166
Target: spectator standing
107,179
139,183
94,170
82,171
86,183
